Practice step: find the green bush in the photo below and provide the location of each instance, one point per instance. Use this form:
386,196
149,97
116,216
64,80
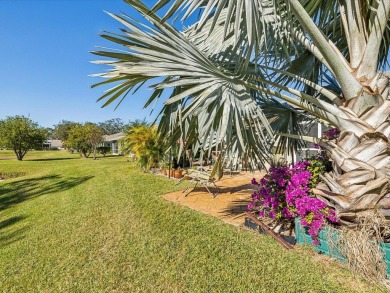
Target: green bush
319,164
103,150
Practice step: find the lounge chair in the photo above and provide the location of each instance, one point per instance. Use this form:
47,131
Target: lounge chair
202,177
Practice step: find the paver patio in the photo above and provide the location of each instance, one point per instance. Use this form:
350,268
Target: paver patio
231,202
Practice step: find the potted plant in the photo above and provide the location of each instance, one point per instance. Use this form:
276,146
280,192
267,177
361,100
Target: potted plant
175,167
178,173
163,167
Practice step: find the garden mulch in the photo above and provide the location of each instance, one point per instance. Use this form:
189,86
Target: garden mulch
231,202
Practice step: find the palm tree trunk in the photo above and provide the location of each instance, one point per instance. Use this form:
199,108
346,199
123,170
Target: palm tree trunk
360,180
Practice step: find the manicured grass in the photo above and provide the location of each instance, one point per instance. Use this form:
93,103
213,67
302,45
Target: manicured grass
79,225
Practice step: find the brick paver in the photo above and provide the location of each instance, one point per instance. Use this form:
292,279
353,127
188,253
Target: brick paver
230,203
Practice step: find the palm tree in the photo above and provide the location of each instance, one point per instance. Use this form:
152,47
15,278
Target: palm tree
244,65
144,142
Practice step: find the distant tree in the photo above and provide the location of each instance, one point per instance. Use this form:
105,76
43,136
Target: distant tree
76,140
21,134
85,138
112,126
94,135
61,130
136,123
50,132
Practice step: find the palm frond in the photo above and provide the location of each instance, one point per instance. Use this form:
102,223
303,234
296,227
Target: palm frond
205,98
239,31
263,28
288,120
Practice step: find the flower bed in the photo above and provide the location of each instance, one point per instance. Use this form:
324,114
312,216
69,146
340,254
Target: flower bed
324,247
285,197
285,194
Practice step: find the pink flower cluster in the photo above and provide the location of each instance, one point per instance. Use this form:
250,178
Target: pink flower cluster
271,194
284,193
332,133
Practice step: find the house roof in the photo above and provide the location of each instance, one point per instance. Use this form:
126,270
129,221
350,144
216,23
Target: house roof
114,137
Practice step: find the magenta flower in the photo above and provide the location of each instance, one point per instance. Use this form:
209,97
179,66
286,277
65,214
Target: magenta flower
332,133
284,192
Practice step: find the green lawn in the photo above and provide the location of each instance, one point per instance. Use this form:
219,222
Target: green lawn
79,225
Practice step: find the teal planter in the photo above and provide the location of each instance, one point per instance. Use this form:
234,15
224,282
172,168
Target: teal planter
303,237
386,251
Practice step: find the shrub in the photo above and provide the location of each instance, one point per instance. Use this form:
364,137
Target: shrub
103,150
284,193
145,143
55,149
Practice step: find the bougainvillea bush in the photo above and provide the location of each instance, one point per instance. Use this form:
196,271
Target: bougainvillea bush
284,193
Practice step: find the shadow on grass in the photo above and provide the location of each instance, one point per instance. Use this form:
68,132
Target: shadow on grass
15,192
10,221
74,158
8,237
50,159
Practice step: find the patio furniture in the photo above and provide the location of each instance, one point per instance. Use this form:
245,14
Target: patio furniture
202,177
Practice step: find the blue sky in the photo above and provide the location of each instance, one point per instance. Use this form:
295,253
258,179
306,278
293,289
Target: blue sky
45,60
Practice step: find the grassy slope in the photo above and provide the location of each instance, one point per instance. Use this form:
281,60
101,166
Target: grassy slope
92,226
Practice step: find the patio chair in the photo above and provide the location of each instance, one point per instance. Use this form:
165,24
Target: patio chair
202,177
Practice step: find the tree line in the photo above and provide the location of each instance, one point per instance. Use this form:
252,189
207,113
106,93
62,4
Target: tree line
21,134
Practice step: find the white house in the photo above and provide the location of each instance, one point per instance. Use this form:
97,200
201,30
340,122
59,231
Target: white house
113,142
53,144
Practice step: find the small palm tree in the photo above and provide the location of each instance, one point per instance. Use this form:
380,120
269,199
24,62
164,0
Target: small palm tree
144,142
245,74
